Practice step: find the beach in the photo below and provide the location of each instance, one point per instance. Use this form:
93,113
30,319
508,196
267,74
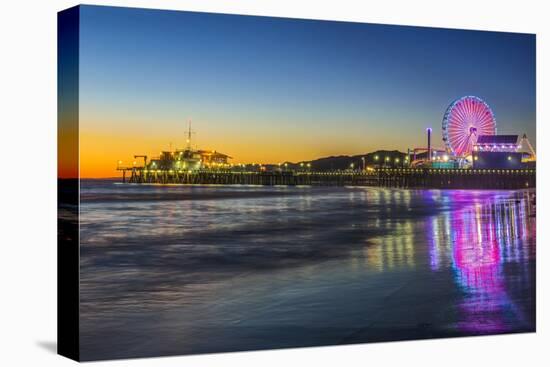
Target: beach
180,269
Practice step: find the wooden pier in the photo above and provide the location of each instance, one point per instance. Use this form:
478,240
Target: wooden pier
397,177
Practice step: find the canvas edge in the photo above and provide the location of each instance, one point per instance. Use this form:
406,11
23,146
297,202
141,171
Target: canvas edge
68,252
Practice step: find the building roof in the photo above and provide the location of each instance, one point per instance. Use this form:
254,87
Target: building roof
212,153
497,139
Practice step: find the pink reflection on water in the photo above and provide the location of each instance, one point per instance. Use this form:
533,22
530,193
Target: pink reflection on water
477,264
482,238
476,252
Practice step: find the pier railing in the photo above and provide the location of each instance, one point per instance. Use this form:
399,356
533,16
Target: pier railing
383,177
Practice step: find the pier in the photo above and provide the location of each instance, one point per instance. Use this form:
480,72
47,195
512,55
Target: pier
381,177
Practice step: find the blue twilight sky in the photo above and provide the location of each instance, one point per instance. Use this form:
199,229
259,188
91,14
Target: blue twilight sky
291,89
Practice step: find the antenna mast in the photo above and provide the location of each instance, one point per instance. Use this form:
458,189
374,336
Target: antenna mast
189,132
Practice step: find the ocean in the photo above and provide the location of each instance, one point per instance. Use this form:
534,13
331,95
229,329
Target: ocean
172,269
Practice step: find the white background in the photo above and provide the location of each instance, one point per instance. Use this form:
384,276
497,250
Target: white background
28,183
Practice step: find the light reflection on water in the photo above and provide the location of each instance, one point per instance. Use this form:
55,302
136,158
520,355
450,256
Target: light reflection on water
179,269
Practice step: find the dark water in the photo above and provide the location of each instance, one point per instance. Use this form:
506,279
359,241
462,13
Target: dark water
187,269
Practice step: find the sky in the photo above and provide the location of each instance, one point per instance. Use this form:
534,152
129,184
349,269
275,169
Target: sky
269,90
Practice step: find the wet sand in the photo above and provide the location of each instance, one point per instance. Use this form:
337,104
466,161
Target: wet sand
261,268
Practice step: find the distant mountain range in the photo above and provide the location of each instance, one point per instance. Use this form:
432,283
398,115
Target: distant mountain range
390,158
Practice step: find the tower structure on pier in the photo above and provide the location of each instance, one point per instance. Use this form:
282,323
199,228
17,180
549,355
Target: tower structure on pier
189,133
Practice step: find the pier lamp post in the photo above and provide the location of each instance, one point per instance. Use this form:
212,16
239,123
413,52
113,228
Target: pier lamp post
363,160
386,160
429,133
396,161
351,166
309,166
376,160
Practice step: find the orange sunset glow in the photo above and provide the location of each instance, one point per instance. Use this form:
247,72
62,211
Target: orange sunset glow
104,141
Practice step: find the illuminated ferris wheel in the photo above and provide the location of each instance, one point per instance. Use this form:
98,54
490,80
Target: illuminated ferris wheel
466,119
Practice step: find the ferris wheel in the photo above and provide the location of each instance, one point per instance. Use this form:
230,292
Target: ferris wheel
466,119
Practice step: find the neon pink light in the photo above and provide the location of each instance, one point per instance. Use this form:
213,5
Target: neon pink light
466,119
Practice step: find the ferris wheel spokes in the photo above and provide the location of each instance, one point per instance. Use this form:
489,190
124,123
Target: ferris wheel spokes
466,119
